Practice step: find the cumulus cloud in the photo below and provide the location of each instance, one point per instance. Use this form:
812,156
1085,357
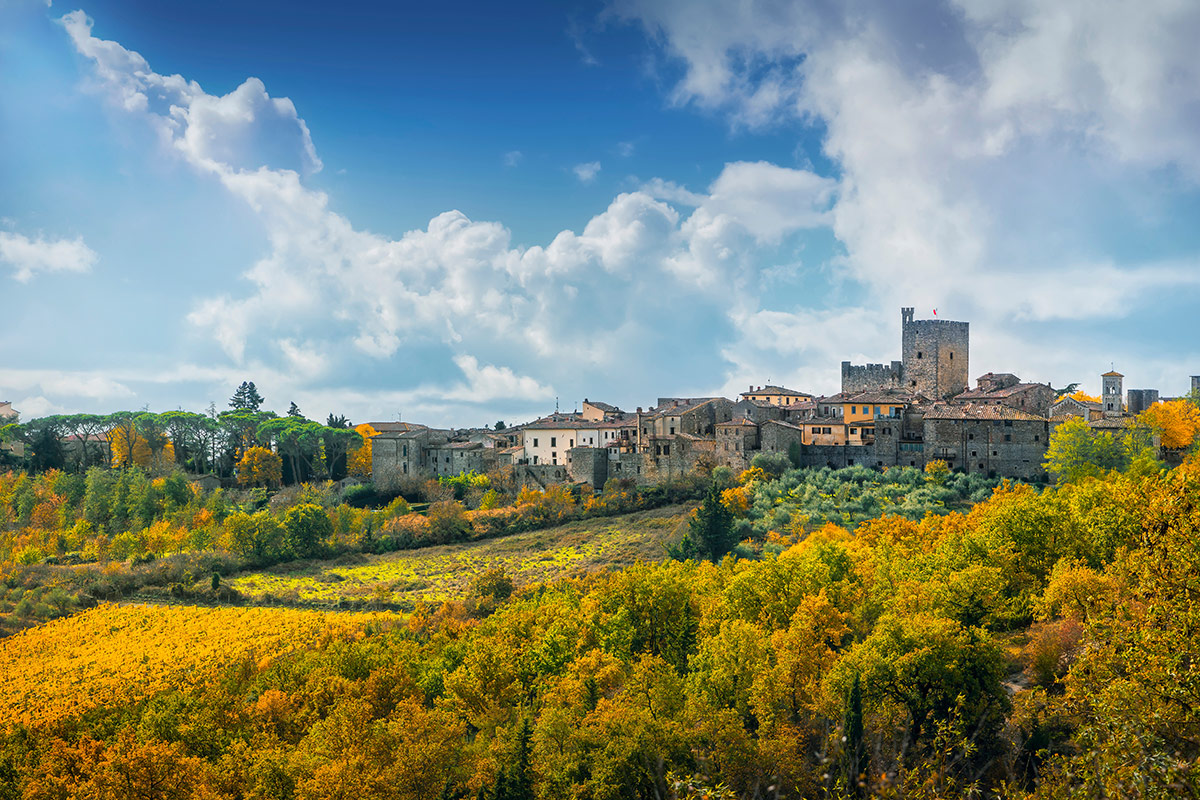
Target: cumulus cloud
28,257
961,133
587,171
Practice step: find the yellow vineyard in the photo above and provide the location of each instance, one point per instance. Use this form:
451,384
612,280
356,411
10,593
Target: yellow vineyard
118,653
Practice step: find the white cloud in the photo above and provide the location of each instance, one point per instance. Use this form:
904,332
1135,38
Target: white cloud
587,171
957,129
28,257
512,158
625,149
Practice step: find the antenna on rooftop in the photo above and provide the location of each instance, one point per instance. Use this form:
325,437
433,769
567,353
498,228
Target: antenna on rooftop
555,404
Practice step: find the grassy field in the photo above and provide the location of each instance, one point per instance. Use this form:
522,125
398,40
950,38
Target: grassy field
439,573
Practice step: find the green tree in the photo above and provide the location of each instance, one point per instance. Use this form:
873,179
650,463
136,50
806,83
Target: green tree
246,398
308,528
711,529
1076,452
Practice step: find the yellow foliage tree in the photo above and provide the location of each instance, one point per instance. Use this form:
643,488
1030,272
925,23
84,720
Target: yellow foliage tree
260,467
358,462
139,453
1084,397
1177,422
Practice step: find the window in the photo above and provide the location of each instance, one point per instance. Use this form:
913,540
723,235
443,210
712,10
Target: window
918,354
853,431
535,459
672,430
973,453
970,436
952,356
1036,438
405,465
1008,437
572,443
853,409
666,449
406,451
995,453
1008,423
554,441
535,441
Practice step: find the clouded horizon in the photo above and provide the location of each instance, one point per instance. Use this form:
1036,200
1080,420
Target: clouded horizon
459,217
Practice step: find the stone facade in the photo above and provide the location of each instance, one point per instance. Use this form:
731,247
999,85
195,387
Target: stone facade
869,377
988,439
1111,395
1141,399
934,354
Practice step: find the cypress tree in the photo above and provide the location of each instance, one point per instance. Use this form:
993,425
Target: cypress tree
855,759
712,528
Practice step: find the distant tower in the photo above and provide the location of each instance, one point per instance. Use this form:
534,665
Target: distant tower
935,355
1196,383
1111,394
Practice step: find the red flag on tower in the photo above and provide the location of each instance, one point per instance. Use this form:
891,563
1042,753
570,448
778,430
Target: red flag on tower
935,312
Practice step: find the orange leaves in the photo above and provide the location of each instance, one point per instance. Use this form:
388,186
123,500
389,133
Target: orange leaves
737,500
358,461
1177,422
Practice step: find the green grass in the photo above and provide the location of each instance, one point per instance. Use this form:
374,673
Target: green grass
445,572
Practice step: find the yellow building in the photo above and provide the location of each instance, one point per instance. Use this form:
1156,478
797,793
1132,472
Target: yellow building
774,395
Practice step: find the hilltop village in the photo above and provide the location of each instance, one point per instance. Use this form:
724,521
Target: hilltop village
905,413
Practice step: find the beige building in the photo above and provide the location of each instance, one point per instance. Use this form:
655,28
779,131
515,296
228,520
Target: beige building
774,395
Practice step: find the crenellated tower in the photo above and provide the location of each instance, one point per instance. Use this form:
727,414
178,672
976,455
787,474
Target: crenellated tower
934,355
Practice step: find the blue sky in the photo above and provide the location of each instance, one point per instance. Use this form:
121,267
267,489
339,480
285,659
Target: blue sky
453,217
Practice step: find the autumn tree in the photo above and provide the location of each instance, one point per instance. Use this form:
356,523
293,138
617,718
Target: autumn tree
358,460
1176,422
259,467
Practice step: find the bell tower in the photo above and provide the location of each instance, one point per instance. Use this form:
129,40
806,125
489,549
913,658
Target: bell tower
1111,394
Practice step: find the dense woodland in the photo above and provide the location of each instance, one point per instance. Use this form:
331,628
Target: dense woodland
815,633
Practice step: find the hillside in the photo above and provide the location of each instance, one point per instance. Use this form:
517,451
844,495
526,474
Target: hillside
433,574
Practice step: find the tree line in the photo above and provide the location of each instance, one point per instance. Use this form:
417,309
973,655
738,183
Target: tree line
245,441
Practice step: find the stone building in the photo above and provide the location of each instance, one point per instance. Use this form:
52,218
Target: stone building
1111,395
736,442
934,359
1141,399
988,439
1070,407
1004,388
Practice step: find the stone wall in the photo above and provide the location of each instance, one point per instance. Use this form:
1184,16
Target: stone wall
588,465
837,456
869,377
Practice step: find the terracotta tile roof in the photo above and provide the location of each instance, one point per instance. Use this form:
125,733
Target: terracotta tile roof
1113,374
982,412
783,424
776,390
396,427
987,394
740,422
1111,423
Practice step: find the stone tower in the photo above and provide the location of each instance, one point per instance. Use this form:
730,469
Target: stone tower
934,355
1111,394
1195,383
